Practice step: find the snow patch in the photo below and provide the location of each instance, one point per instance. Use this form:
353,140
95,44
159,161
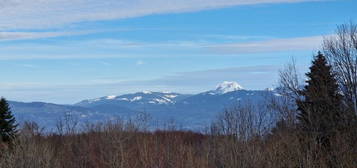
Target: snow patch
171,96
93,100
160,101
147,92
124,99
166,99
137,98
166,92
111,97
212,93
277,94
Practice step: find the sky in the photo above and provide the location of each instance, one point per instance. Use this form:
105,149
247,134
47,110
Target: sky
64,51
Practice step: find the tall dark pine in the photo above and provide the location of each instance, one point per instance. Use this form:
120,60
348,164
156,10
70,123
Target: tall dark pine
7,122
320,111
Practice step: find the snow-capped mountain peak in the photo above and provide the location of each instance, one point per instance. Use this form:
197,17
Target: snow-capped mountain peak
227,87
146,92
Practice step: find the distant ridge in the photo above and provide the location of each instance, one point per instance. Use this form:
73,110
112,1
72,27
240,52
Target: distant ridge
191,111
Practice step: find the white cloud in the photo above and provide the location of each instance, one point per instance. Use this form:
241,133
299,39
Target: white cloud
236,37
112,48
7,36
18,14
275,45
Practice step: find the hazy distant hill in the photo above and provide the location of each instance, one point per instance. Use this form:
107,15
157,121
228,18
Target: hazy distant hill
48,114
191,111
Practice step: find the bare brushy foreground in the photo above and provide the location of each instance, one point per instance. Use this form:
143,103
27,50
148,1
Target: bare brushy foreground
124,145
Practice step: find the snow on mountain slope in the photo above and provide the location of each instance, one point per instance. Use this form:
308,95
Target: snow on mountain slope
157,98
144,99
225,94
226,87
188,110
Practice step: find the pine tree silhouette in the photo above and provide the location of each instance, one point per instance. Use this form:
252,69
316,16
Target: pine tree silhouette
320,111
8,126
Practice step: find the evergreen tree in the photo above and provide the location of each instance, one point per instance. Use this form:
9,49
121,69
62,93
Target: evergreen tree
8,126
320,111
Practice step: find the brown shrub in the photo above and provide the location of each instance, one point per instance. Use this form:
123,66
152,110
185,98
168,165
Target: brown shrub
106,147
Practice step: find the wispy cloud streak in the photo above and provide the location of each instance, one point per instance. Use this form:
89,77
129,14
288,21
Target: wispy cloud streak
20,14
123,49
275,45
9,36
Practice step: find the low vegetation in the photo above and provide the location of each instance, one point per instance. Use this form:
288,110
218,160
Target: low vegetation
123,145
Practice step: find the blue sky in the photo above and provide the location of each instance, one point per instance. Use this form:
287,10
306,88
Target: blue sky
64,51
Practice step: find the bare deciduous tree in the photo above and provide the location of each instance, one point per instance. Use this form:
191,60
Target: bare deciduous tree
67,125
289,92
289,81
341,52
243,121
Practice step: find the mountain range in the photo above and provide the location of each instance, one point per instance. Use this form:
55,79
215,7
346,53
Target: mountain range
189,111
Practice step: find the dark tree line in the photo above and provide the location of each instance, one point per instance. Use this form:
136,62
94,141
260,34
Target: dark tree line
8,126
